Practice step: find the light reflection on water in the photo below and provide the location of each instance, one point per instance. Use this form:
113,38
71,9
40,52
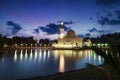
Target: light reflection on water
26,54
61,63
21,55
15,56
38,62
31,54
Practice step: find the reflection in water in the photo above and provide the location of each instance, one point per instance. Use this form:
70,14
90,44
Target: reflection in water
3,59
15,56
94,56
44,55
106,51
99,59
80,54
61,64
35,55
21,55
26,55
70,56
40,55
42,61
118,55
48,54
55,52
31,54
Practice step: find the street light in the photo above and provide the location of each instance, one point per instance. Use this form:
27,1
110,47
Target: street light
26,45
36,45
21,45
31,45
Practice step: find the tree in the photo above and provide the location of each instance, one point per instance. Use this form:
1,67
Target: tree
111,60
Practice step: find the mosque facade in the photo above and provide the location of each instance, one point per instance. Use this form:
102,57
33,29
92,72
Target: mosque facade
70,40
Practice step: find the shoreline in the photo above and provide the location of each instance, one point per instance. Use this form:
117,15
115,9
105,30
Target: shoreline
13,48
89,73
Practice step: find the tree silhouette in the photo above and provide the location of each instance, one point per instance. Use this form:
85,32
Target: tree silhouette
112,59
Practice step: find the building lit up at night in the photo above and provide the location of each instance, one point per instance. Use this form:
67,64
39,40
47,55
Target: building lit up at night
70,40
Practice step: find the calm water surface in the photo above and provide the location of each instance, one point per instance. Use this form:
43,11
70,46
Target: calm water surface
25,63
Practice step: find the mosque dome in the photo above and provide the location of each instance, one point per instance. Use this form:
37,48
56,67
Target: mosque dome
71,33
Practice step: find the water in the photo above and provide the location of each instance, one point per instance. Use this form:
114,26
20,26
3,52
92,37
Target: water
19,64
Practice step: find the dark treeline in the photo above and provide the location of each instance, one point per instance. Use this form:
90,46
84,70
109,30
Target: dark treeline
24,41
16,40
108,38
45,42
115,37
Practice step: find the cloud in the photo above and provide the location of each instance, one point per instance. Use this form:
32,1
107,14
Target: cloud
112,18
109,14
106,2
7,34
103,20
91,18
118,13
52,28
87,34
36,30
107,21
67,22
93,30
15,27
81,35
96,30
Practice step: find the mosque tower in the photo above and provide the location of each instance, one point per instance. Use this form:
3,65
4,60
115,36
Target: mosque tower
61,30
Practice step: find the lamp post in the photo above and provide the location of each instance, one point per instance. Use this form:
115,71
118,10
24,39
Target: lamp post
15,45
21,45
31,45
35,45
26,45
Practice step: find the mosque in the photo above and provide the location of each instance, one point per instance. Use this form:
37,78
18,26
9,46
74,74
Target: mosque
69,41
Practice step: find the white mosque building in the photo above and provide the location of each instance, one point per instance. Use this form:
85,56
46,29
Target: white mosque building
70,40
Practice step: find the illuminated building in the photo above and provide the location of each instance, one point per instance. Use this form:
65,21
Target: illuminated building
70,40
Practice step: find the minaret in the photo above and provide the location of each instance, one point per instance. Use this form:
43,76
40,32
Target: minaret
61,30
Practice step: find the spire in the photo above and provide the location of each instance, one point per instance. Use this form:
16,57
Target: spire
61,30
62,24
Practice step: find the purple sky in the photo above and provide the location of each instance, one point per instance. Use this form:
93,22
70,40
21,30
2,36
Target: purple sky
40,18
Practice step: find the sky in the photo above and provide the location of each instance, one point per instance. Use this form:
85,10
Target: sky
41,18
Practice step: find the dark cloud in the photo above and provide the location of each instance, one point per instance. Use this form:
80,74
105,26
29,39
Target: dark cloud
67,22
112,18
93,30
91,18
114,22
103,20
36,30
84,36
96,30
109,14
7,34
87,34
117,13
81,36
52,28
15,27
107,21
105,2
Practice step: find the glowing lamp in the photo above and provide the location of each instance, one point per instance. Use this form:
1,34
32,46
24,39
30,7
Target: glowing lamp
61,23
